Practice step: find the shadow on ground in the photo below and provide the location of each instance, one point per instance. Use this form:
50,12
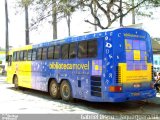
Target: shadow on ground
131,107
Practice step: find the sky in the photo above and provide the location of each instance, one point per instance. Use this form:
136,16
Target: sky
44,33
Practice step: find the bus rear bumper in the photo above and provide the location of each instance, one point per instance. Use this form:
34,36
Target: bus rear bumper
130,96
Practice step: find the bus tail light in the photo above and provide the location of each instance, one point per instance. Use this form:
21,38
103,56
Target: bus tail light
115,88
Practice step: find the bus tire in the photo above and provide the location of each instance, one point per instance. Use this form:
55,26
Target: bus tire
15,81
54,90
66,91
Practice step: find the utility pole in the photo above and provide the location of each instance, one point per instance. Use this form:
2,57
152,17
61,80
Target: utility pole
7,34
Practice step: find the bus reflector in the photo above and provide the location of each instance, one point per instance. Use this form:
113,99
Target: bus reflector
115,88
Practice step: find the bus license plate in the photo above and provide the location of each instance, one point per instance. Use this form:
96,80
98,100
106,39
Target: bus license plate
136,94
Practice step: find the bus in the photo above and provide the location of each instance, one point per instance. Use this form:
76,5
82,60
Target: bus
2,62
113,65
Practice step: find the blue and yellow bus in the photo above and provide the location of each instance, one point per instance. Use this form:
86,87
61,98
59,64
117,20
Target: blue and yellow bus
113,65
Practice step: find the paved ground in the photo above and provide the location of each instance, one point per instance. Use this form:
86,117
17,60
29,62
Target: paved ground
31,101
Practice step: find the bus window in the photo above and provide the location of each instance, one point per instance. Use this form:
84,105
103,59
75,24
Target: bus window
21,56
65,51
18,54
44,53
29,55
92,48
25,55
14,56
72,50
34,54
50,52
39,54
82,49
57,52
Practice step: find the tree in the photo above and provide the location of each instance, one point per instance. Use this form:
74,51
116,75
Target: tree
7,38
111,10
25,4
55,9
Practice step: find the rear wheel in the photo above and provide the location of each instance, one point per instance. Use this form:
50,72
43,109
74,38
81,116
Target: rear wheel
66,92
15,80
54,89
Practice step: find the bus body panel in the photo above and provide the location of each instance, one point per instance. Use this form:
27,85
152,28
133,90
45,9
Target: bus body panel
92,78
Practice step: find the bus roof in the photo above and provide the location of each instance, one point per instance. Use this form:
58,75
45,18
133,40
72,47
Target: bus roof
85,36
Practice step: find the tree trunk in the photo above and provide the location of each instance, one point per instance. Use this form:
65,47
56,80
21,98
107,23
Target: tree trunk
69,24
7,34
133,13
121,17
27,25
54,17
95,12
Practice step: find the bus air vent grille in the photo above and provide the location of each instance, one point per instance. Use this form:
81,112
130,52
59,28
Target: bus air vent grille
96,86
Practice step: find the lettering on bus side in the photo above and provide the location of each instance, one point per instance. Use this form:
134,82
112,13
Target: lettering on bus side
56,65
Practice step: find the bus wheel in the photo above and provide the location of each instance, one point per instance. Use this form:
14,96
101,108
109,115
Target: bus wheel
66,92
54,89
15,80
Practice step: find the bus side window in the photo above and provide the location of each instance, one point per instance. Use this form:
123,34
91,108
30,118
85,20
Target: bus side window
14,56
65,51
50,52
29,55
39,54
82,49
92,48
21,56
44,53
34,54
18,55
57,52
72,50
25,55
